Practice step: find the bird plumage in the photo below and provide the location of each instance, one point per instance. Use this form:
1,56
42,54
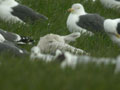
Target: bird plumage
16,38
80,21
27,14
11,48
12,11
91,22
112,28
115,4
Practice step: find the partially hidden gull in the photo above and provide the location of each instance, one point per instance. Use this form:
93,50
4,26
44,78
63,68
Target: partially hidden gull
16,38
12,11
80,21
67,59
10,48
71,60
115,4
112,28
51,42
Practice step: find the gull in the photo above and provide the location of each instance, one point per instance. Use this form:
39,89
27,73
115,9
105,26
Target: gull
112,28
12,11
115,4
16,38
52,42
80,21
10,48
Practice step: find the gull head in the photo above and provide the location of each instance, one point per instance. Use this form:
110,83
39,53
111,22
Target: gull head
77,8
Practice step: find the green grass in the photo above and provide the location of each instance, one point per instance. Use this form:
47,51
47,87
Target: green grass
23,74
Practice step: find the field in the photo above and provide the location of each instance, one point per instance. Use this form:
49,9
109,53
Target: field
22,74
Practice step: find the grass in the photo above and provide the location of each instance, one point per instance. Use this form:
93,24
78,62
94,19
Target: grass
22,74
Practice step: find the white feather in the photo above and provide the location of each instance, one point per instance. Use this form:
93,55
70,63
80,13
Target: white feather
2,39
111,3
110,27
6,9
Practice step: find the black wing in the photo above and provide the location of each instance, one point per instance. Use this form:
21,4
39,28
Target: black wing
13,37
24,13
8,35
118,28
8,47
117,0
91,22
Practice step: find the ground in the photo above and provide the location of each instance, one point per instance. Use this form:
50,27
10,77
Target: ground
22,74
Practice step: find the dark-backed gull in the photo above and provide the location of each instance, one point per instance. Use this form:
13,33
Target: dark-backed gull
13,37
80,21
12,11
11,48
112,28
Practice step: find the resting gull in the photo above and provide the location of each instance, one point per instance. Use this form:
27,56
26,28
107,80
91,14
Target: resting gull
111,3
13,37
80,21
12,11
9,47
68,59
51,42
112,28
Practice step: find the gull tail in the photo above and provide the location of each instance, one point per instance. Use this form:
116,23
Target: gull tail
25,40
